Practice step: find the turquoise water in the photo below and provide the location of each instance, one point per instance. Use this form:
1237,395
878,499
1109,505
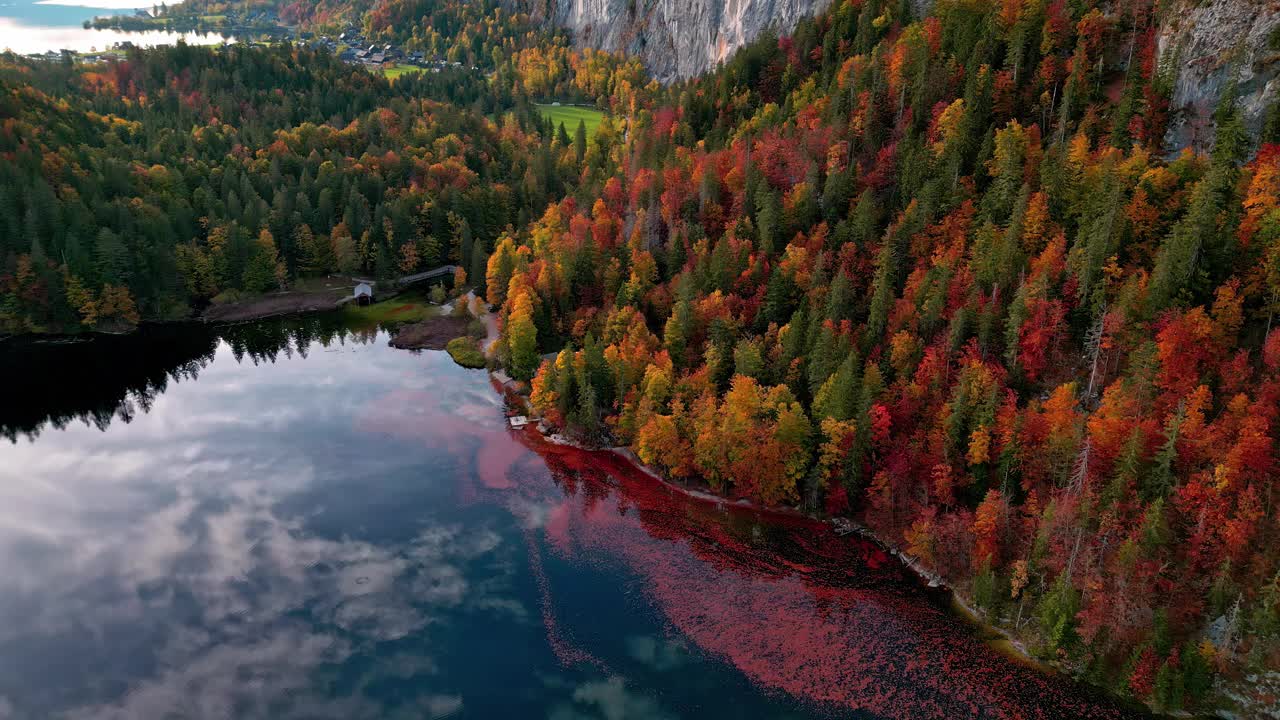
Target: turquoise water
292,520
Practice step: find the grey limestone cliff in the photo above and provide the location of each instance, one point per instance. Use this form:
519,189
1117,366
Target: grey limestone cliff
675,38
1208,43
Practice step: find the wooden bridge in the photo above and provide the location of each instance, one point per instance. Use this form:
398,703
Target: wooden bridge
400,282
395,283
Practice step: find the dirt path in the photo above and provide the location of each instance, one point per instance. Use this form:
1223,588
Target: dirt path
490,321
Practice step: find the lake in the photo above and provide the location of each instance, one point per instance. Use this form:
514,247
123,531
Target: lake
290,519
37,26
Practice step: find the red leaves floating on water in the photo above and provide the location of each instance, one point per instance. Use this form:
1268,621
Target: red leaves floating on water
566,651
832,621
828,620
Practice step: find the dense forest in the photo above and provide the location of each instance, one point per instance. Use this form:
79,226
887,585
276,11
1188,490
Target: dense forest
942,275
939,274
142,188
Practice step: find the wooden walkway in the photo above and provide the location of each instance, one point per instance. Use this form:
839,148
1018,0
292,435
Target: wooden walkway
410,279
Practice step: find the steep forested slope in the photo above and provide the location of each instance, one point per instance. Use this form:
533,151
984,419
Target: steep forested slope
936,273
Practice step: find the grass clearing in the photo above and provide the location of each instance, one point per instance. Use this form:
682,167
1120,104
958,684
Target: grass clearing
466,352
570,115
398,70
396,311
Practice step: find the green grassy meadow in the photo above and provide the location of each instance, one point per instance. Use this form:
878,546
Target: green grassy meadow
397,70
396,311
570,115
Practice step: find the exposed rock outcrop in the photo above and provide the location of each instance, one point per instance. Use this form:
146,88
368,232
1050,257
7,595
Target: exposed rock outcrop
1209,43
675,38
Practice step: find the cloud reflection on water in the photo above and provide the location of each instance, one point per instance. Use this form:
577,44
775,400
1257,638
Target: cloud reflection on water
172,558
609,699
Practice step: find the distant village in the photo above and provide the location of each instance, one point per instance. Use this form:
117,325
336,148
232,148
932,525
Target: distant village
356,50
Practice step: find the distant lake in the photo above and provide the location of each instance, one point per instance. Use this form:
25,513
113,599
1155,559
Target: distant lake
36,26
290,519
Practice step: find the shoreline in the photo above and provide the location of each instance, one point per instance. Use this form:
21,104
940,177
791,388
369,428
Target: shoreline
996,637
289,303
999,639
237,315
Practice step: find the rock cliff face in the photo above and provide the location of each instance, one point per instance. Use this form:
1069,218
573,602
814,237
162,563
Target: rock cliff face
1210,43
1207,42
675,38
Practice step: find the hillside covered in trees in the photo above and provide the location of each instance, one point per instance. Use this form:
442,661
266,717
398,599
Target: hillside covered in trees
146,187
943,275
940,274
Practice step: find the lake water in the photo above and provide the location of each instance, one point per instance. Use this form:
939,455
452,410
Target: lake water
36,26
289,519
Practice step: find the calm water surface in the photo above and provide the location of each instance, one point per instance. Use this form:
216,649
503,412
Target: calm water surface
289,520
36,26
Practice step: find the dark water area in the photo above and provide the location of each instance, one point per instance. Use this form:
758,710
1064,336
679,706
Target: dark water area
288,519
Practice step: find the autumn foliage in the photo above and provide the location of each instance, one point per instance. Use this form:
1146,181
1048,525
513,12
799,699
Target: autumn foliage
954,290
940,274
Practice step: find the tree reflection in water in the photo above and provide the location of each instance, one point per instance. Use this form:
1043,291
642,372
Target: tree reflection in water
110,378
